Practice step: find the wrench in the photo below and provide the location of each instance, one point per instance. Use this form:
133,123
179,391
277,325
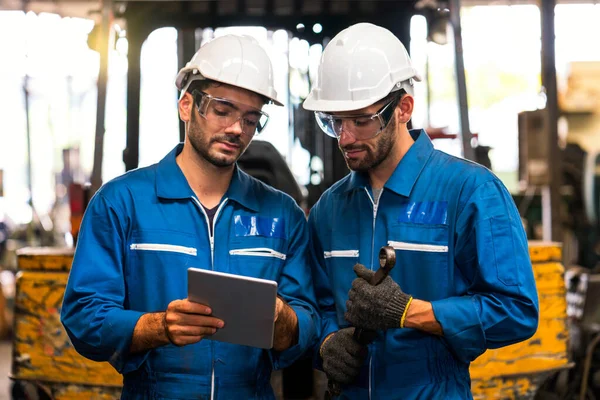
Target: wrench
387,260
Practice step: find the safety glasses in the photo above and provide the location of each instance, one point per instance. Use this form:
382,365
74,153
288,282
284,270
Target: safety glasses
361,127
224,112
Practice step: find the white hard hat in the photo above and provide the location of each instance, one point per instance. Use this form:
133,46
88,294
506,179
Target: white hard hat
236,60
360,66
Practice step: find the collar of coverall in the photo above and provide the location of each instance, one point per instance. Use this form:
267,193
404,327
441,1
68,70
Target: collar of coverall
408,169
171,183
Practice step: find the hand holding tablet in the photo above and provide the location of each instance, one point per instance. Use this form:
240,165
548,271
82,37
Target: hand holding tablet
246,305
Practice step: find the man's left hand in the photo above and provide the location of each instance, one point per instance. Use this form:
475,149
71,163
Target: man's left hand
375,307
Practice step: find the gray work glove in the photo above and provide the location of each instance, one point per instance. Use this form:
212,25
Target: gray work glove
375,307
342,356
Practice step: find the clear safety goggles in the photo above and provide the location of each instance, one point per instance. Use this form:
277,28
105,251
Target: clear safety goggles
361,127
224,113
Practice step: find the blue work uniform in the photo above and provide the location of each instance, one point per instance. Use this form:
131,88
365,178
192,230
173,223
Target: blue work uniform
459,244
140,234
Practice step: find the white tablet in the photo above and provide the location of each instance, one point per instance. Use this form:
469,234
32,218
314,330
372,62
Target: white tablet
247,305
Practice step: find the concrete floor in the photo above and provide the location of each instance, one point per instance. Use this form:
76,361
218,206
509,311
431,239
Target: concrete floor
5,359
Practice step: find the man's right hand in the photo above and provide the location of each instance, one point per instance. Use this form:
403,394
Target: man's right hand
342,356
186,322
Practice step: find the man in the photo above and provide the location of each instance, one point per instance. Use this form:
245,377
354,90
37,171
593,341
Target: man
125,301
463,281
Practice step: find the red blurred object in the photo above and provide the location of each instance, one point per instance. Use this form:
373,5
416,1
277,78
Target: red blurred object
79,197
440,133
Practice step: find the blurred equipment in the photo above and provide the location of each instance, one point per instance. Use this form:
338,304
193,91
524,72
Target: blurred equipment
44,361
517,371
262,161
534,151
583,381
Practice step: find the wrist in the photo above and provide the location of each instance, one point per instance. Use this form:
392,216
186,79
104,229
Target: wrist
396,311
419,315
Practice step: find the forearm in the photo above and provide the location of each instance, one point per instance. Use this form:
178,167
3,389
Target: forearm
286,329
149,333
420,316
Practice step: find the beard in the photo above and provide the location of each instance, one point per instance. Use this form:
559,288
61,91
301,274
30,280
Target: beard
203,145
373,157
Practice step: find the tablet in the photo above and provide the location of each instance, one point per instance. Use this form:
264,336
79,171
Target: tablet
247,305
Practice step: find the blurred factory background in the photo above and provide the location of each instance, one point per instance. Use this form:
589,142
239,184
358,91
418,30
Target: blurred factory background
87,93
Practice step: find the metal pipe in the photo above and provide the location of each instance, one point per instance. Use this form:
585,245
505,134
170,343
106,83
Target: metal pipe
550,86
589,353
103,49
463,105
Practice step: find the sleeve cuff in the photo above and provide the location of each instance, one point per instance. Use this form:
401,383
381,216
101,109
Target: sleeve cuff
459,318
329,326
117,332
307,333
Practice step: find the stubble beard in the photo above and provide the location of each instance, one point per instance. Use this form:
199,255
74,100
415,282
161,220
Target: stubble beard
373,158
202,144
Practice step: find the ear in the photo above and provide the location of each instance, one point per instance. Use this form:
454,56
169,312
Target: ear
186,107
404,109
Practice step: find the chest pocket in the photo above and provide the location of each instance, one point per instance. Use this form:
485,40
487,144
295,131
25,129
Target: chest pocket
257,257
422,256
157,267
258,246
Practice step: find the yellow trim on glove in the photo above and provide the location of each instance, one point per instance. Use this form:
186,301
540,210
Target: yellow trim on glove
403,319
325,341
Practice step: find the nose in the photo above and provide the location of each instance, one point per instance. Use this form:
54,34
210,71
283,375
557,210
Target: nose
236,128
345,137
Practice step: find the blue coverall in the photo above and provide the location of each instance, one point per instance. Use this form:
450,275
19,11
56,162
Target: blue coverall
459,244
140,234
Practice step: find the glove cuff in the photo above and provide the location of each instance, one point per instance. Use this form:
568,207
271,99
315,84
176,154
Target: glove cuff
323,343
395,312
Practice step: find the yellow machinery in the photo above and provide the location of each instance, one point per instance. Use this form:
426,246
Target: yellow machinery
515,372
44,356
42,353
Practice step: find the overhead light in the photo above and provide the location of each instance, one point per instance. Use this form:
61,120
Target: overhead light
317,28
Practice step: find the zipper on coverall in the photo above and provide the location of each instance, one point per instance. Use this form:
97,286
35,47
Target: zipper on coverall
371,267
211,235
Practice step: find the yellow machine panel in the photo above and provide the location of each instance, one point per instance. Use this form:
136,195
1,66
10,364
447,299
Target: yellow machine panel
515,371
42,351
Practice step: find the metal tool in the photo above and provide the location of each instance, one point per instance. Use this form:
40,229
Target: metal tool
387,261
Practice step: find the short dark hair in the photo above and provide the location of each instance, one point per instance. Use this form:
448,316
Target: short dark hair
392,95
202,84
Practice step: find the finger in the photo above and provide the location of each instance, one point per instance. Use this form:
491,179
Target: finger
188,307
352,363
186,340
179,330
357,350
358,286
339,373
199,321
349,305
352,318
348,317
363,272
344,374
